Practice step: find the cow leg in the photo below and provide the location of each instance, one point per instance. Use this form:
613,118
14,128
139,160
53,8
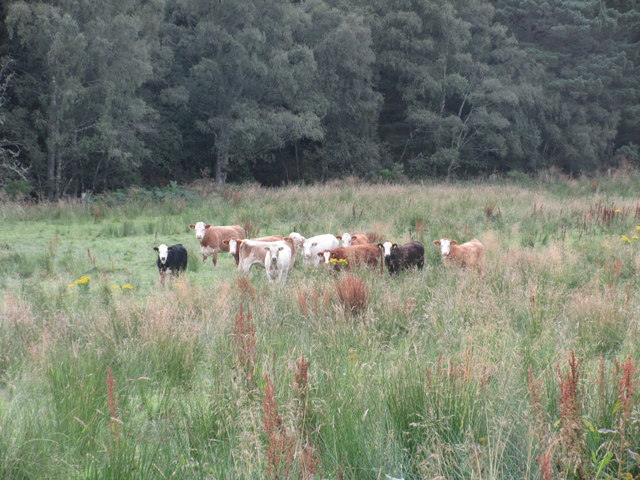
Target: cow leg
214,256
204,258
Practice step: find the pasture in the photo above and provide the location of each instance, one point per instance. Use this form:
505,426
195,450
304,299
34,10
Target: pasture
528,372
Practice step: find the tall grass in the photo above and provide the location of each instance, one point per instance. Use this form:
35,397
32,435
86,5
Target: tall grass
528,371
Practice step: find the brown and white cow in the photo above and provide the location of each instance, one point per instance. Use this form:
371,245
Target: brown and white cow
233,243
212,238
348,239
469,254
253,252
355,255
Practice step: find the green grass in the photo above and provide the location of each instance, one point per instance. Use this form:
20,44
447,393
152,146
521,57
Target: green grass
430,381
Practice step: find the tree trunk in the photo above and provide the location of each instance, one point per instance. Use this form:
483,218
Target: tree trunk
53,177
221,166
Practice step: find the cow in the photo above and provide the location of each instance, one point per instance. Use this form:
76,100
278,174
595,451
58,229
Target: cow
469,254
212,238
278,261
311,247
356,239
252,252
171,260
233,243
401,257
354,255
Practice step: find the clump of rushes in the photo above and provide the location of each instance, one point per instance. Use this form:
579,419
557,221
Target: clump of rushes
244,339
353,294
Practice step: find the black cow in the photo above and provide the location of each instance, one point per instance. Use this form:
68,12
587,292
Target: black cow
171,260
400,257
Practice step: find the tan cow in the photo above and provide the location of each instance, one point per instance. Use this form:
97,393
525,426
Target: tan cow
356,239
233,243
469,254
354,255
212,238
253,252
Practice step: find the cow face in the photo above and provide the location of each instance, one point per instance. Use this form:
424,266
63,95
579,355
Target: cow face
272,253
306,248
233,246
326,255
298,239
445,245
346,239
200,228
388,247
163,253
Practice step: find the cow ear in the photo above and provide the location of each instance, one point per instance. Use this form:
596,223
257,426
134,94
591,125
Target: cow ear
453,242
436,242
339,237
380,245
170,248
320,254
395,245
225,242
155,248
281,248
192,226
207,226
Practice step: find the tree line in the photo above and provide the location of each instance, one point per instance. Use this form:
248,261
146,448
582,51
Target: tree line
103,95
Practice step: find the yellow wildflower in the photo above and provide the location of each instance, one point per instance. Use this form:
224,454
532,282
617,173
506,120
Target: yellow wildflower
625,238
127,286
83,280
71,285
618,211
638,227
115,287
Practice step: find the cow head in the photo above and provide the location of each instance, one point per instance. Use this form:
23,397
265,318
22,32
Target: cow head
306,248
163,252
388,248
233,245
445,245
200,228
298,239
271,257
346,239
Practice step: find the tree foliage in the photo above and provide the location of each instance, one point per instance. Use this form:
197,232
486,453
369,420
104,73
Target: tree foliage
107,95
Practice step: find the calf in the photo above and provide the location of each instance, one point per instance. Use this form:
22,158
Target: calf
355,255
311,247
171,260
469,254
212,238
234,242
401,257
252,252
278,261
355,239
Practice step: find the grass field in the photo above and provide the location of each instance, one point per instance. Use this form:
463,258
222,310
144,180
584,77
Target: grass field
528,372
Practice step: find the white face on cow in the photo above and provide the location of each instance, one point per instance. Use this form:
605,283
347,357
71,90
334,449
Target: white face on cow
306,248
346,239
200,229
272,254
387,248
445,246
298,239
233,246
163,253
326,255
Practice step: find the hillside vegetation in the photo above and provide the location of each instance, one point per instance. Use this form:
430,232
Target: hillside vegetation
528,372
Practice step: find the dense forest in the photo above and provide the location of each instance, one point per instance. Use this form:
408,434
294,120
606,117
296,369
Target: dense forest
104,95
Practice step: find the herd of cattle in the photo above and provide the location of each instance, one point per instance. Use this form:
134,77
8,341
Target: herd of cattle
277,254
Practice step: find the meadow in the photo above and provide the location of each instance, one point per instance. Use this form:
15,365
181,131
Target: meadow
526,372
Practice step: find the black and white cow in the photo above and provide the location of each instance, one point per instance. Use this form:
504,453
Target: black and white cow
400,257
171,260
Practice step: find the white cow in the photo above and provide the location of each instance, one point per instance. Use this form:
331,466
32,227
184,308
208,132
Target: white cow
252,252
314,245
277,261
